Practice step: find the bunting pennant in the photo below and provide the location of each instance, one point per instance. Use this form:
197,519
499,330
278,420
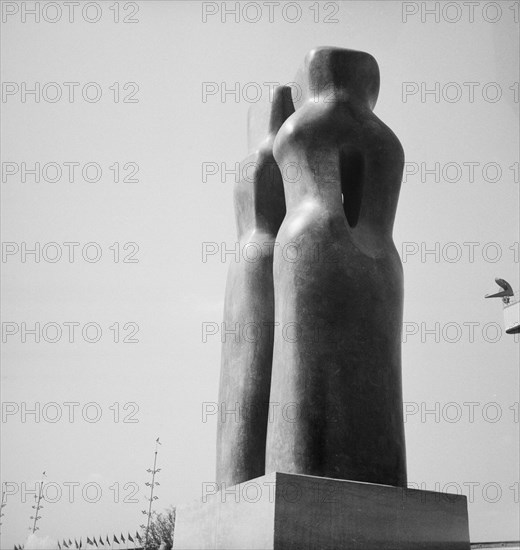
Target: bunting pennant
138,536
65,545
94,542
122,538
130,537
59,545
101,541
115,540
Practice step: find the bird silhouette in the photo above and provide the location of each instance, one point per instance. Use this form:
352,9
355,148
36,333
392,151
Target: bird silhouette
506,291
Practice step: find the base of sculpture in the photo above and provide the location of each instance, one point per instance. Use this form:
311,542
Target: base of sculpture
297,512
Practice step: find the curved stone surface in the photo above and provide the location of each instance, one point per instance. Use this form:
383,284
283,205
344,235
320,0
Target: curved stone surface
336,378
249,306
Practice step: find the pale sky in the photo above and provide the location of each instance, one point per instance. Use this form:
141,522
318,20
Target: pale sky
163,62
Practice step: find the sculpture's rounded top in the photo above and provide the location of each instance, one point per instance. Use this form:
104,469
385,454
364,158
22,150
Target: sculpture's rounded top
266,117
350,74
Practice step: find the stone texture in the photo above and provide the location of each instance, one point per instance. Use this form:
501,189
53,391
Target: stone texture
245,378
338,281
294,512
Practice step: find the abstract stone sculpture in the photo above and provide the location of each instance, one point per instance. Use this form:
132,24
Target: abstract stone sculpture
338,281
245,378
334,293
320,409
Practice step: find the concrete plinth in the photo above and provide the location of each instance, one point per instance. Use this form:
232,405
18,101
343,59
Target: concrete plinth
296,512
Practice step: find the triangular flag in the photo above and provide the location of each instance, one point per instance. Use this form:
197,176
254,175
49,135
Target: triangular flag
65,545
76,544
94,542
130,537
101,541
59,545
138,536
115,539
108,541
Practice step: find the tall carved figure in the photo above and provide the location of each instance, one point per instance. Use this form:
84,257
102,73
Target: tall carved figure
336,375
247,350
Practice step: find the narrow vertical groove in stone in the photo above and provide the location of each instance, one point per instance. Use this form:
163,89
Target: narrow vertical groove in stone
352,168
